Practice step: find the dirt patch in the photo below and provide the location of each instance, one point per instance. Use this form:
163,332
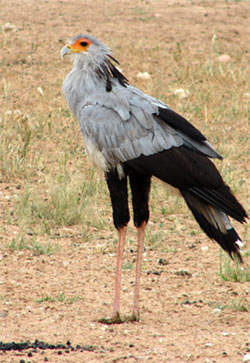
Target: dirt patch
186,307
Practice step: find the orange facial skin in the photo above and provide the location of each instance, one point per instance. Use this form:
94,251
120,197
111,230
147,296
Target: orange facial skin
80,45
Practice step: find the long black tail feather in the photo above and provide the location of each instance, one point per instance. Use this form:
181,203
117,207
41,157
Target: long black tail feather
223,199
215,224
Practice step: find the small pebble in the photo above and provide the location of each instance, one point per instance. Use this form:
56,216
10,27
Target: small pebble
204,248
3,313
40,90
246,358
163,261
143,75
182,93
9,27
216,311
224,58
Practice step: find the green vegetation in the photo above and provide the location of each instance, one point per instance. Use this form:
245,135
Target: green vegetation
128,265
239,305
65,202
32,245
61,298
233,271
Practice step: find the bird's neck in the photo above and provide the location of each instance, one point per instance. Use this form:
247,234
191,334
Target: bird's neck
89,79
79,86
102,68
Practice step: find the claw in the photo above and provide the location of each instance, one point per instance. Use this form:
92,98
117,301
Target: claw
132,317
115,319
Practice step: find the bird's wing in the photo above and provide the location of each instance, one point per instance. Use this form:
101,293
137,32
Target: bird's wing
192,137
126,124
119,140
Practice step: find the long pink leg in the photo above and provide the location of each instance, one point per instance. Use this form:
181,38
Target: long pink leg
118,275
140,242
116,319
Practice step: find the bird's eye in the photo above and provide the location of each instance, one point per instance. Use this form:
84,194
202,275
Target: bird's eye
84,44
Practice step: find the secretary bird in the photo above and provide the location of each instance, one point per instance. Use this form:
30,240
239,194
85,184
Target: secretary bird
132,136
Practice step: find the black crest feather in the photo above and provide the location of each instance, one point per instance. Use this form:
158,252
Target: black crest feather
108,71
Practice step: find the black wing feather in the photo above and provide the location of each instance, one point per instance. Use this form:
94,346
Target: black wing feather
180,123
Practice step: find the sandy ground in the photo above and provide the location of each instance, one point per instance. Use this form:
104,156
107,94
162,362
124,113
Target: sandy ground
179,322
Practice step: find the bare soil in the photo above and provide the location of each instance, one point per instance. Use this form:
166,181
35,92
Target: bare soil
179,322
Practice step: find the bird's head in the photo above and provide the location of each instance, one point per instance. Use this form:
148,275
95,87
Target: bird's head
85,49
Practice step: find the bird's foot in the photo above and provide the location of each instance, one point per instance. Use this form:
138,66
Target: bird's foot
133,317
115,319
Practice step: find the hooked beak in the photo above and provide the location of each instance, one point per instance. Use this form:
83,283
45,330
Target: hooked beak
65,50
